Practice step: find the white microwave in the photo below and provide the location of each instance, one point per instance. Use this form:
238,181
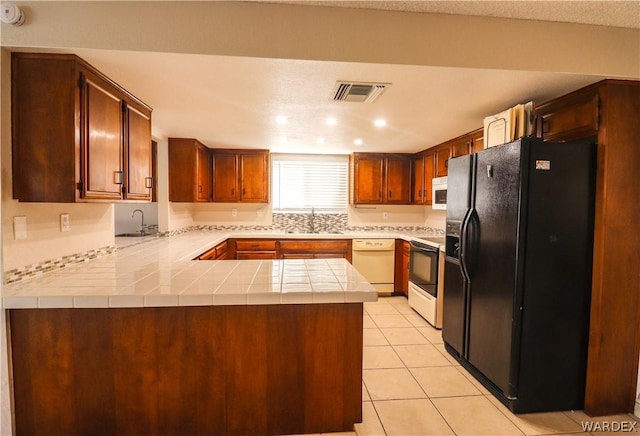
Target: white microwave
439,190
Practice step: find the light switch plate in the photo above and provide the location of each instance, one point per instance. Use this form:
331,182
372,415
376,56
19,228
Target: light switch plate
65,225
19,227
385,215
234,212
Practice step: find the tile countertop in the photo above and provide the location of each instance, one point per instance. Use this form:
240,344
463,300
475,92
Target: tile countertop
160,272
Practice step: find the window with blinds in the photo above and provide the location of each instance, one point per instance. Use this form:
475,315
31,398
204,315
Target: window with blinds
301,182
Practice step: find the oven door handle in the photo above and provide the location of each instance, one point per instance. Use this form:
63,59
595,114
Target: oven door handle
423,247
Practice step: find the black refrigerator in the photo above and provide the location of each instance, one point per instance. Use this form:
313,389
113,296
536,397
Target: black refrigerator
517,281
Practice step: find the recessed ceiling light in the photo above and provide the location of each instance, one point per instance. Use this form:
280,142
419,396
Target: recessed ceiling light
332,121
357,141
281,119
379,122
320,141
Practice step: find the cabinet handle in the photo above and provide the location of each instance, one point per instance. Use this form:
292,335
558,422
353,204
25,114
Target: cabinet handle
244,191
446,163
380,195
389,193
233,191
546,126
420,193
118,177
148,182
199,188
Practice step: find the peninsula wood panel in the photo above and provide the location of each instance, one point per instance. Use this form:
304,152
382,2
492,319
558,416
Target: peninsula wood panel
188,370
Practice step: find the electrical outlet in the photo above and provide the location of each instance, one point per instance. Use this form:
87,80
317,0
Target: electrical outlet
19,227
65,226
259,212
385,215
234,212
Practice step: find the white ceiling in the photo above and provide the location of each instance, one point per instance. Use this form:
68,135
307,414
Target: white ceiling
233,102
615,13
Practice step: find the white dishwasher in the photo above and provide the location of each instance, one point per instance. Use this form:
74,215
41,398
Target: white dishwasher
375,260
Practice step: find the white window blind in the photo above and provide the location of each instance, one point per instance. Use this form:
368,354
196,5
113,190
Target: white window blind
301,182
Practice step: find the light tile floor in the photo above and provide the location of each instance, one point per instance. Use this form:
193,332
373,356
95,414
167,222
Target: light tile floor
412,386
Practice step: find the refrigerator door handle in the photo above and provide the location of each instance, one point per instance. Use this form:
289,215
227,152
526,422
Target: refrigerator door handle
471,242
463,245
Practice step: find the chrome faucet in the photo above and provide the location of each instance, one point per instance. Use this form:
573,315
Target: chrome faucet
142,221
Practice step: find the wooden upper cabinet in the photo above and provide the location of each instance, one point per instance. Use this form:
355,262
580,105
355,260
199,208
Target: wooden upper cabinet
254,177
443,153
398,180
189,171
101,137
575,117
418,179
225,177
423,175
381,178
240,176
461,147
138,154
75,136
477,140
367,180
429,168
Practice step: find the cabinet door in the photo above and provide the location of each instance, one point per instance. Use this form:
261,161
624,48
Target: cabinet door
477,139
574,118
398,177
225,177
204,174
254,176
368,180
418,180
138,154
101,139
461,147
442,161
429,167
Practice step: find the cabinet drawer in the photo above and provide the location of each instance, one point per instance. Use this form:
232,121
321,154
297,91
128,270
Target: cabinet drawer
255,245
314,246
253,255
575,120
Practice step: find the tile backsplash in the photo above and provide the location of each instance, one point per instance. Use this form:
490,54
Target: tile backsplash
285,222
302,223
37,269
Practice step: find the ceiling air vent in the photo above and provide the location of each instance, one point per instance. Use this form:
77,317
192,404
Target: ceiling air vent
358,92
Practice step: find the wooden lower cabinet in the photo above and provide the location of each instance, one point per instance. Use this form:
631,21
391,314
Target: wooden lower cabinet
401,279
247,249
266,249
232,370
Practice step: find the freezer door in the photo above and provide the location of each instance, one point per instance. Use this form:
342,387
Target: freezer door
455,296
493,253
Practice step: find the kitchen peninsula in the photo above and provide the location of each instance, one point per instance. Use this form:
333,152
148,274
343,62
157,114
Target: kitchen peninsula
148,341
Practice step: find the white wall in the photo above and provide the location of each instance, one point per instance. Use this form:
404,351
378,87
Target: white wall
222,214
